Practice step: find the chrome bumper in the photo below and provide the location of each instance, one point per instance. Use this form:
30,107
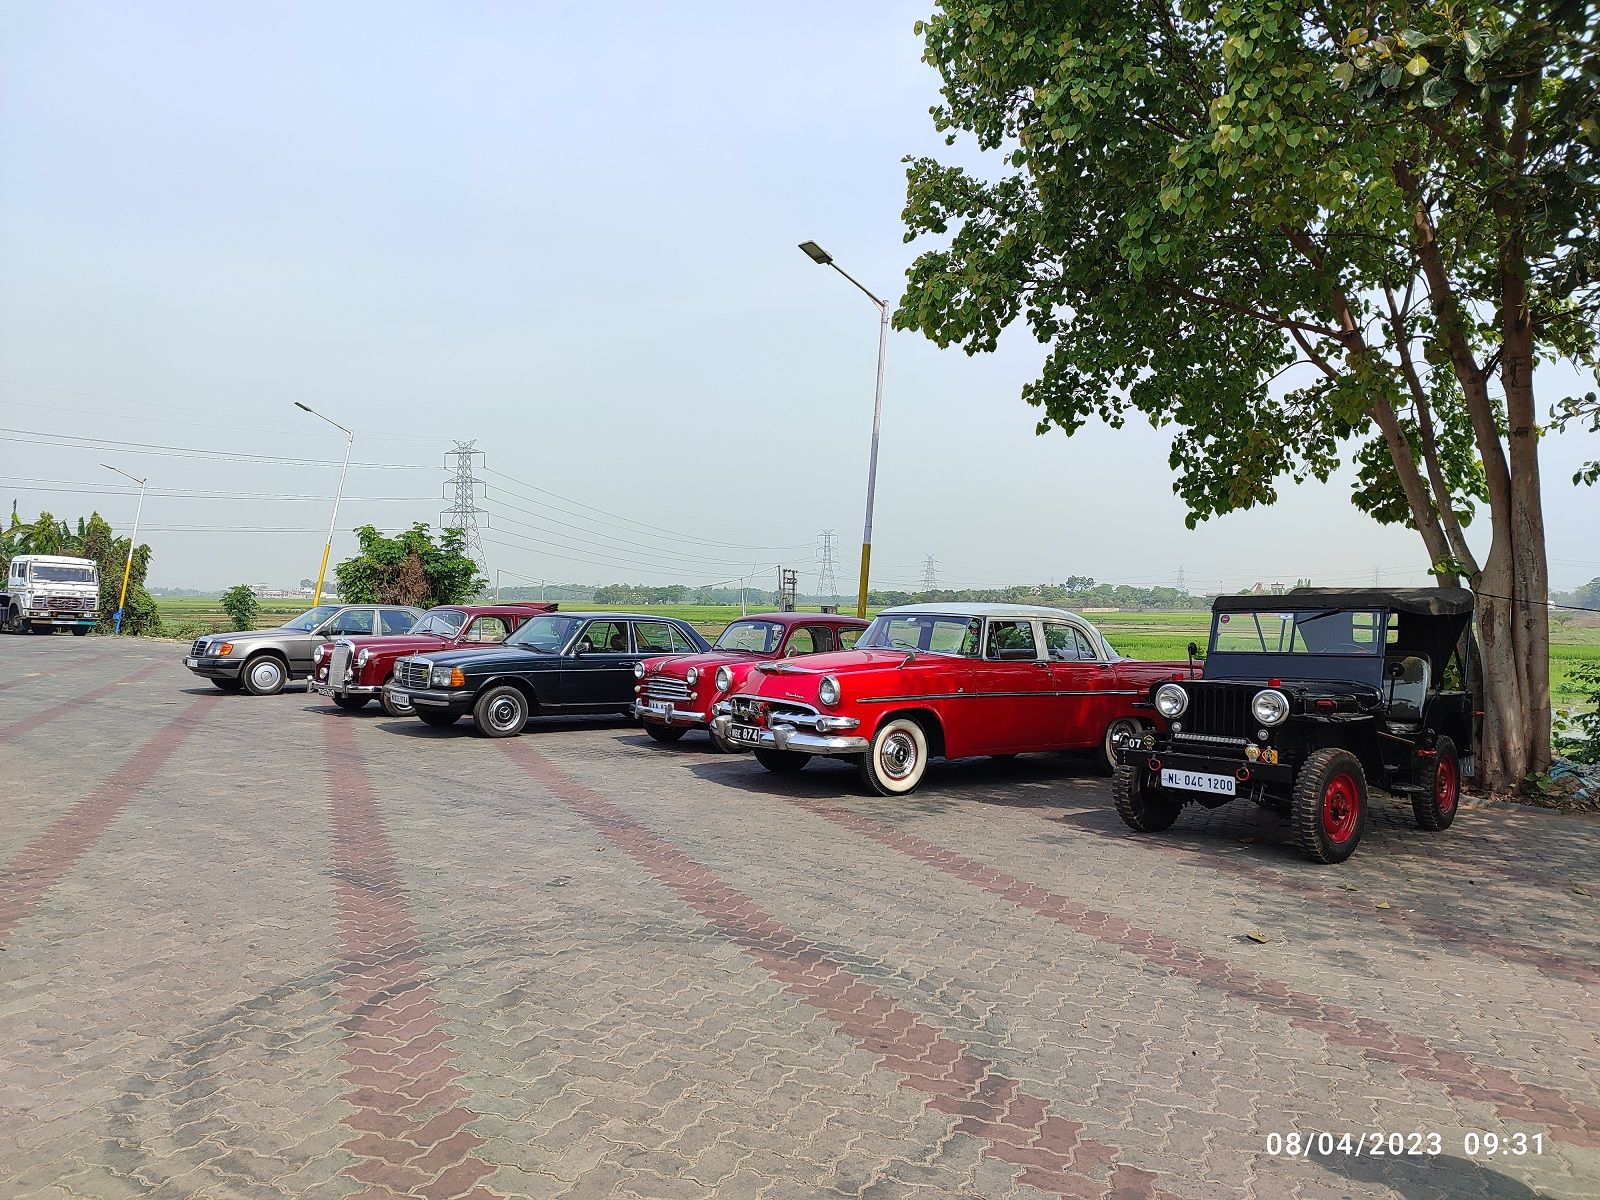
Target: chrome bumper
784,736
666,711
323,688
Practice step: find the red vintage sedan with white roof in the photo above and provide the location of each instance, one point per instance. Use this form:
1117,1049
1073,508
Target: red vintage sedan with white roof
675,695
932,681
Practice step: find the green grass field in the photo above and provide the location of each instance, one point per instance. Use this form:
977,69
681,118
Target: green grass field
1151,635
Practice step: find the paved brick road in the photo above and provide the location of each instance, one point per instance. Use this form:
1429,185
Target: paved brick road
265,948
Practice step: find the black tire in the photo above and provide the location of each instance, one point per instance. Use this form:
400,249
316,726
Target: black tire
80,630
782,762
1436,808
665,734
1143,807
265,675
896,758
439,720
501,712
351,703
13,620
1106,760
1329,807
228,685
395,707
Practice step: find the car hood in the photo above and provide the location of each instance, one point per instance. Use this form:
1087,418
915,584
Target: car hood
256,635
456,656
678,664
401,643
799,678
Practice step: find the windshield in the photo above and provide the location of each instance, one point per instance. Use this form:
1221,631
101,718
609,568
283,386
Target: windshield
307,621
1347,631
61,573
441,622
923,631
753,637
547,634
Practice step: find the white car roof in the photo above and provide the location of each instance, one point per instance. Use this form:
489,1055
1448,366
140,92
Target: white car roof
956,609
56,558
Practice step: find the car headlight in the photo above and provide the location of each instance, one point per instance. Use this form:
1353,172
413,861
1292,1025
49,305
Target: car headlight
1270,707
1171,700
638,670
223,650
828,690
362,656
442,677
320,653
724,679
692,676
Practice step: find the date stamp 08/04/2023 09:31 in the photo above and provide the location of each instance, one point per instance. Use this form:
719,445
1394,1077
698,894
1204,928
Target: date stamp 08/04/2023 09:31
1378,1144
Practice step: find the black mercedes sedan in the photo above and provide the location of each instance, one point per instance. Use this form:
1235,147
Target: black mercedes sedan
567,662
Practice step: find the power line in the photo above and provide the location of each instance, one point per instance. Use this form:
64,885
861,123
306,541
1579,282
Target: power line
78,487
76,442
594,535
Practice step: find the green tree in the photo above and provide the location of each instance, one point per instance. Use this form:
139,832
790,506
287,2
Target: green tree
1277,228
410,568
239,602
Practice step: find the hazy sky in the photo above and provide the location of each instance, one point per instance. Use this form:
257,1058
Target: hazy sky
568,233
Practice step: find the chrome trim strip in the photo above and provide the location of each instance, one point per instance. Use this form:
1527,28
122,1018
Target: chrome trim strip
992,695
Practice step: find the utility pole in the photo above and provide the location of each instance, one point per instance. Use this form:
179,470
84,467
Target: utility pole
462,489
788,589
827,587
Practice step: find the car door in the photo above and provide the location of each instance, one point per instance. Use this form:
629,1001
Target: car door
1081,704
598,669
1012,685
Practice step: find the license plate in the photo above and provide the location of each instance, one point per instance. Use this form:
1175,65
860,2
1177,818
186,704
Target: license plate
743,733
191,662
1198,781
658,707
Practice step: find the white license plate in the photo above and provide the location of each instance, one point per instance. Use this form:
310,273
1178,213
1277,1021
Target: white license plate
1197,781
743,733
659,707
191,662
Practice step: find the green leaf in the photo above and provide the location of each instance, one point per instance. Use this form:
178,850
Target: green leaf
1418,65
1438,92
1343,74
1356,36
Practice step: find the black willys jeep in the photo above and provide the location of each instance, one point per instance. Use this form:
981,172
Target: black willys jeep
1305,698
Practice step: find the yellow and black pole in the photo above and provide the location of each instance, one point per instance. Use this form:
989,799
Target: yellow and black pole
820,256
133,540
327,547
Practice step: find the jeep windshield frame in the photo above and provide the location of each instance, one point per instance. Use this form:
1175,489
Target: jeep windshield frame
1324,644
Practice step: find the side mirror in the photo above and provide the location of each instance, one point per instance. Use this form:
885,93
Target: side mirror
1396,670
1194,649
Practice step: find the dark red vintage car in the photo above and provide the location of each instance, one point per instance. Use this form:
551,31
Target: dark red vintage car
352,671
945,681
675,695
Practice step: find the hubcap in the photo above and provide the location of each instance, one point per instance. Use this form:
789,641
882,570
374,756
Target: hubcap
265,674
1445,785
503,713
897,756
1340,807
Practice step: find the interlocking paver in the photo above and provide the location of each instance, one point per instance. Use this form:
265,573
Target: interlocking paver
264,948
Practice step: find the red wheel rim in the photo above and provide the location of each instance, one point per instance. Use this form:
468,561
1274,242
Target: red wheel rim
1341,806
1445,784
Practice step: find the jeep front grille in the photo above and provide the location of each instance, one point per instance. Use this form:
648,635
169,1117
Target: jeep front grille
411,674
1218,711
665,687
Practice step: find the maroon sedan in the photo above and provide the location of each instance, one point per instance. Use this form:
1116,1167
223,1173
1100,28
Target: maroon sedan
353,671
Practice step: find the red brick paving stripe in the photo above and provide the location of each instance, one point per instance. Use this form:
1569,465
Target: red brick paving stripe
410,1130
1014,1127
28,878
45,715
1415,1057
82,660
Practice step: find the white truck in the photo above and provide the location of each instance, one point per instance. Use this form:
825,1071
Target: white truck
46,592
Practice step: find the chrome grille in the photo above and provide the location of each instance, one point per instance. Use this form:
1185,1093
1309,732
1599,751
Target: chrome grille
756,710
68,602
411,673
199,647
1218,710
339,663
665,687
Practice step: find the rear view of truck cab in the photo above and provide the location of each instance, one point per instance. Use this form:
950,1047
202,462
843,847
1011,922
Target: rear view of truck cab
47,592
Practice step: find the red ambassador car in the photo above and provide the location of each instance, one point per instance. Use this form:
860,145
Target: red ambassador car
353,670
945,681
675,695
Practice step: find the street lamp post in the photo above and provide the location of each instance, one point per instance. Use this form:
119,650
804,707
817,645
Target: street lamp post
133,540
822,258
349,440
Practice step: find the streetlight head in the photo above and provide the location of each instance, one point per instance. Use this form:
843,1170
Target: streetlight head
816,253
306,407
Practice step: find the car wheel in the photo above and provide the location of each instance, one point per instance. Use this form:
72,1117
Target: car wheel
782,762
896,759
1329,806
398,706
351,703
13,620
501,712
1436,807
1116,733
227,685
438,720
79,630
665,734
264,675
1143,806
